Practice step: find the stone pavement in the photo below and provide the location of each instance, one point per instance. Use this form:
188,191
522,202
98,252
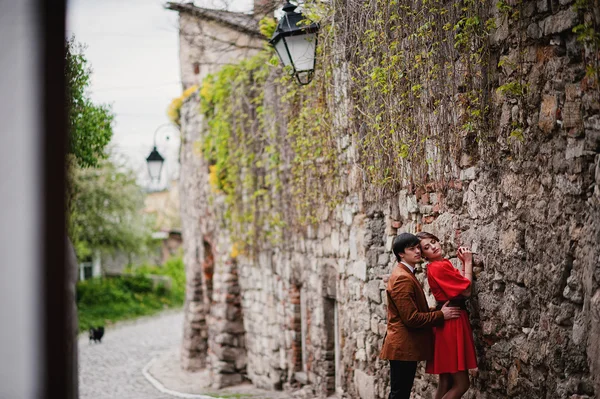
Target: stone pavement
115,368
166,370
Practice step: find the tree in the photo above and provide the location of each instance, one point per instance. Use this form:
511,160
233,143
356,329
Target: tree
106,210
90,125
104,202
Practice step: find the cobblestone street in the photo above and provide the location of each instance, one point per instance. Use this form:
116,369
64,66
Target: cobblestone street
113,369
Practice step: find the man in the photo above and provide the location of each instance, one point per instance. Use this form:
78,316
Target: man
409,336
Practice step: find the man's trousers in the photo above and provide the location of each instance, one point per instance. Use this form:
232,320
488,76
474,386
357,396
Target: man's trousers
402,376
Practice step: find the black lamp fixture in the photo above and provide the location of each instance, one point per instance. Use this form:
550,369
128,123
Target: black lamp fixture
296,43
155,161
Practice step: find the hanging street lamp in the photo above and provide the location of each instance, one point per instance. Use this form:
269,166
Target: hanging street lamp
155,161
296,43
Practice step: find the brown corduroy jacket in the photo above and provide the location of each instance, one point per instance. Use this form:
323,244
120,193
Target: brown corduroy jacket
409,333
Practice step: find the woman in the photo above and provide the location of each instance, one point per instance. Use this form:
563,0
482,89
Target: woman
454,350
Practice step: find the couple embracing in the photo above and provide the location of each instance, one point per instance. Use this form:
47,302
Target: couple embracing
442,335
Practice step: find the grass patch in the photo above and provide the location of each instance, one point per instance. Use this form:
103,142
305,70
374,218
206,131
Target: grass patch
101,301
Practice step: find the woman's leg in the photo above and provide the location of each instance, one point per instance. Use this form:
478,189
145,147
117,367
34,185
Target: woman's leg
444,385
460,385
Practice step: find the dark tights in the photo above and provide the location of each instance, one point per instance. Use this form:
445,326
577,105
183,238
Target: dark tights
453,386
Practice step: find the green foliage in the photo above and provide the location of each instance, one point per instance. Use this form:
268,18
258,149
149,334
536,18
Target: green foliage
107,300
267,26
233,144
416,67
413,67
517,132
174,269
90,125
106,210
253,146
512,89
503,7
588,33
174,109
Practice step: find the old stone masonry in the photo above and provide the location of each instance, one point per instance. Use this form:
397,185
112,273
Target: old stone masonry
310,312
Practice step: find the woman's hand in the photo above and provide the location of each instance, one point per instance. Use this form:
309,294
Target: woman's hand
466,257
464,254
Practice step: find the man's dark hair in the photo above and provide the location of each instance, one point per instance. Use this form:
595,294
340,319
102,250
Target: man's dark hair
403,241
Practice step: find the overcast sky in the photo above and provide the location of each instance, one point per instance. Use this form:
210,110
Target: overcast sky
132,47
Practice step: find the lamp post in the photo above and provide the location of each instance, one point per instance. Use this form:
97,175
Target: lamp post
296,43
155,161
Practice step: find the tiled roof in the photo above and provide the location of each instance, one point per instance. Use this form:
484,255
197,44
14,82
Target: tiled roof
245,23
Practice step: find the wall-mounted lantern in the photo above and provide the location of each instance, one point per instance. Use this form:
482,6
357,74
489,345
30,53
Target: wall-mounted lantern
155,163
296,43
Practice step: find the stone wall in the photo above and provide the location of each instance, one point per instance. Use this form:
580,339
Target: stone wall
312,310
205,46
194,230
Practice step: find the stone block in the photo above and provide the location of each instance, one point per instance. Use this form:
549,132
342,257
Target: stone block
373,292
358,269
241,361
196,342
389,240
559,22
219,367
226,353
402,209
573,290
360,340
365,384
225,380
383,259
571,114
375,325
334,241
218,310
192,363
224,339
468,174
347,216
542,5
412,206
575,148
568,186
233,327
361,355
572,91
501,32
534,31
547,116
505,115
382,328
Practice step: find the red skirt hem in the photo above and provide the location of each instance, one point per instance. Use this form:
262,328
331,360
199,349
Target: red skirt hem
454,349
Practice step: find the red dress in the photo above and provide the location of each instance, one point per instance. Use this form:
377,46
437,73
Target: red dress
454,349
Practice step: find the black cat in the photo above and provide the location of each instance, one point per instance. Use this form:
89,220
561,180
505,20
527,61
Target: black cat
96,334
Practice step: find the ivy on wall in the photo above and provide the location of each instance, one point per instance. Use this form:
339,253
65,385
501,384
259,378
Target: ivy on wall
269,145
588,35
173,110
418,77
417,80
